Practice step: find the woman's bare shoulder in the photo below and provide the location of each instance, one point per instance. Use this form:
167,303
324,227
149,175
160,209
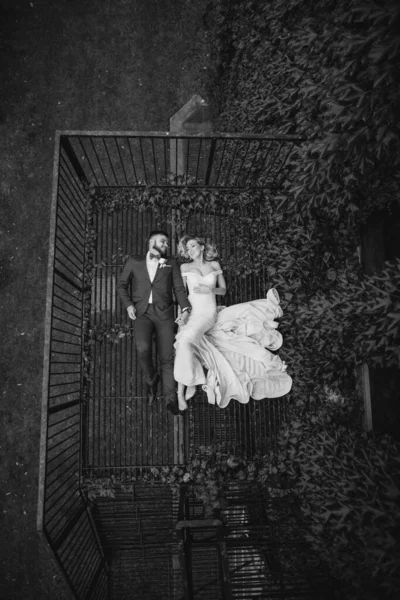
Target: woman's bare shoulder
184,267
216,266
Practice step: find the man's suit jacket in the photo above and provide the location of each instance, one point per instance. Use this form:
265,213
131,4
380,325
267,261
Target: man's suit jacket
167,279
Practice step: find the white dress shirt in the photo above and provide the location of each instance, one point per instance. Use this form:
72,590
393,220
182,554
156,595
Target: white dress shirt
152,266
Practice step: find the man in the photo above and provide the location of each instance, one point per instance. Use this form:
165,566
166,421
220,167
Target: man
151,307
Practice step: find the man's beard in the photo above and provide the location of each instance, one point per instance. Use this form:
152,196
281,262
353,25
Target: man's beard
161,251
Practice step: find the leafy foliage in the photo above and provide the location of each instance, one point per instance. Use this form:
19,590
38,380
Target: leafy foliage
327,70
103,333
351,319
208,471
350,495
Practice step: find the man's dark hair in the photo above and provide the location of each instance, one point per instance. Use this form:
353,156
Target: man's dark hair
157,232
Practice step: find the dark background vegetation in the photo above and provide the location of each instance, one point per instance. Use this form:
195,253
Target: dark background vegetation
65,64
326,70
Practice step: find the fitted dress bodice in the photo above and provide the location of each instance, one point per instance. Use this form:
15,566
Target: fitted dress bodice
204,303
188,367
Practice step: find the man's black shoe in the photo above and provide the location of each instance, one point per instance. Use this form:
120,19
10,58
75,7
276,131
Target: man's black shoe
151,390
173,407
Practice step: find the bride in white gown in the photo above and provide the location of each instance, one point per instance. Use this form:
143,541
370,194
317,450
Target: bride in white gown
227,350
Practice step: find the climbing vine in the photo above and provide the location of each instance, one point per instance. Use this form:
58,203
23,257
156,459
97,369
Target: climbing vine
208,470
326,70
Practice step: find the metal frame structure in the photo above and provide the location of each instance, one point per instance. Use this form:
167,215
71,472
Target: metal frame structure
253,547
63,515
220,161
107,428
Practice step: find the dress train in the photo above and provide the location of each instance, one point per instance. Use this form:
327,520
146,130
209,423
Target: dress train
234,345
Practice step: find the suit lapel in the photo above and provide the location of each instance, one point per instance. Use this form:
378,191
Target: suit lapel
159,269
144,266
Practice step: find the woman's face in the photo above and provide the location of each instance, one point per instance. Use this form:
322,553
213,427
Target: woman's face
194,249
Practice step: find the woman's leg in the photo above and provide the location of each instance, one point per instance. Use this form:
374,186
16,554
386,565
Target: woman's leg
190,392
188,369
182,404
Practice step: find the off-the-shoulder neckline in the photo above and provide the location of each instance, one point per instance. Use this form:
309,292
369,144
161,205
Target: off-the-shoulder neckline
217,272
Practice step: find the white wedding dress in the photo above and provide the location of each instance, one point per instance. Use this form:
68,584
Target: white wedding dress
233,344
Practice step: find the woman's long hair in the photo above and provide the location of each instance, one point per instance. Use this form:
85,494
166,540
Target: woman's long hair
210,251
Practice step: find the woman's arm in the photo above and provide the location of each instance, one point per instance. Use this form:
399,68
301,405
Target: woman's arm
179,287
183,270
220,288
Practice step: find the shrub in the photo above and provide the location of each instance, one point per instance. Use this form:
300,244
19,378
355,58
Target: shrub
349,486
327,70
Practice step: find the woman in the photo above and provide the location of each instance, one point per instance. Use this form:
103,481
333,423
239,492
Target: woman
204,280
231,343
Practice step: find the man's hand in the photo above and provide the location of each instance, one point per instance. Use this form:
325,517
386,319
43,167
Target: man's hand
183,318
131,312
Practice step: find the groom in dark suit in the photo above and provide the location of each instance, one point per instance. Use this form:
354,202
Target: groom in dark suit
154,278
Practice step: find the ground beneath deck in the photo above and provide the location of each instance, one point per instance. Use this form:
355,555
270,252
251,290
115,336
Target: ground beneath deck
65,65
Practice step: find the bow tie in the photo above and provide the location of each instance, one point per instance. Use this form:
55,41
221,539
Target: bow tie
154,256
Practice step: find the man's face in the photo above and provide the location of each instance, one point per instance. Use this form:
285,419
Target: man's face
159,244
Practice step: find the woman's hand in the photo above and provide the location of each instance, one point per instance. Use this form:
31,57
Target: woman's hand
183,318
201,288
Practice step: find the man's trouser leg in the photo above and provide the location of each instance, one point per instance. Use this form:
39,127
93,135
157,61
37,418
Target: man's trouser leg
144,329
165,337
